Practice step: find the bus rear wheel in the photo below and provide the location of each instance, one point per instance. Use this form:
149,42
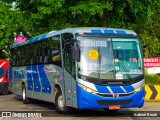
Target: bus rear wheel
24,96
5,90
59,103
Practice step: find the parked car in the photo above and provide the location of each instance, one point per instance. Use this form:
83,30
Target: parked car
4,80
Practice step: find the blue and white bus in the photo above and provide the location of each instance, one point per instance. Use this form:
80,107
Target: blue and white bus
83,68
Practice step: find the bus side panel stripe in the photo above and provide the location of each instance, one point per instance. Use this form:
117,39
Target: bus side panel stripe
37,86
46,87
29,78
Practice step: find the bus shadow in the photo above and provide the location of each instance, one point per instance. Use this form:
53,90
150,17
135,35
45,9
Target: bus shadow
49,110
39,103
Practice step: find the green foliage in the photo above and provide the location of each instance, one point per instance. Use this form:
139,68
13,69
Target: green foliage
58,14
151,44
156,23
152,79
6,20
34,17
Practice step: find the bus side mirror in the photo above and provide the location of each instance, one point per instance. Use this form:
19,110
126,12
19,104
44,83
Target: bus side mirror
75,52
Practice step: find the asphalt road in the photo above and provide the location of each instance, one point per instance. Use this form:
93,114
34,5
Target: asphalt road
14,105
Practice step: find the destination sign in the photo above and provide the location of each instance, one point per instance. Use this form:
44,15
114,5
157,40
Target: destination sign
89,43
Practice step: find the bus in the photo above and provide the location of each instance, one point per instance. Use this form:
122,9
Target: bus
83,68
4,81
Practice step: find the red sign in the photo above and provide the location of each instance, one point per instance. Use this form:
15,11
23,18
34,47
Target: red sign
151,62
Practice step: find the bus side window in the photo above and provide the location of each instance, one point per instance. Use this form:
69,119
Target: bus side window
38,53
22,56
34,54
41,55
27,55
49,54
18,57
45,55
42,47
69,64
54,50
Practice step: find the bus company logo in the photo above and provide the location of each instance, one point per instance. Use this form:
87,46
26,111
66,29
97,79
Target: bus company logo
115,95
6,114
21,114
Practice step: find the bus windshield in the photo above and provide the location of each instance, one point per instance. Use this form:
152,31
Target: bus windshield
127,57
106,58
2,71
96,58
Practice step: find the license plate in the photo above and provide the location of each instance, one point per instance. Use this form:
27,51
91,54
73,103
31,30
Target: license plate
114,107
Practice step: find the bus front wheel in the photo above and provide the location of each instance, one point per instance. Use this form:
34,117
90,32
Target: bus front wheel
59,103
24,96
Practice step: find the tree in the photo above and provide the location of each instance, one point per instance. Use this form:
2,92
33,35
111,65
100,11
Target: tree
47,15
40,16
143,17
8,24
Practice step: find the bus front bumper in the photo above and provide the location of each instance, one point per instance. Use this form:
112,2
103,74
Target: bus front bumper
87,100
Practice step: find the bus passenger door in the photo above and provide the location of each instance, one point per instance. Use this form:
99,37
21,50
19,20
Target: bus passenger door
68,76
69,70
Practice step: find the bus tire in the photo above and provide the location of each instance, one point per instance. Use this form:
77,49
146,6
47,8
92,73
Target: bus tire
5,90
24,96
59,103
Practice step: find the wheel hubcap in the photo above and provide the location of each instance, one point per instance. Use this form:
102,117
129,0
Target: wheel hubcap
60,102
24,94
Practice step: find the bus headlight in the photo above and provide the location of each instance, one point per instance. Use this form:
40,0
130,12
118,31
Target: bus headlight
138,89
86,88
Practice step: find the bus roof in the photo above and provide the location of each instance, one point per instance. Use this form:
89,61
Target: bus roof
80,30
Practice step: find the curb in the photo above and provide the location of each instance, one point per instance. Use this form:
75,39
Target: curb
152,93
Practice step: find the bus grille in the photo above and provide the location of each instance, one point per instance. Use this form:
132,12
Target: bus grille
111,95
108,102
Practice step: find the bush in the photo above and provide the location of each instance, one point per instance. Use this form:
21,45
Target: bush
152,79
